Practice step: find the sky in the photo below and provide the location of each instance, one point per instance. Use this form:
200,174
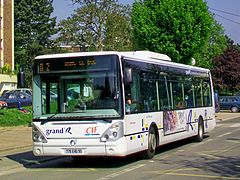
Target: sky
227,13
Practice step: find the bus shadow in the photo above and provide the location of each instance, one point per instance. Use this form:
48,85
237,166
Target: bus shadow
178,144
225,166
28,160
219,165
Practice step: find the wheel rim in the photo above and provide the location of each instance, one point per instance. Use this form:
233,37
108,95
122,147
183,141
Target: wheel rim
152,142
200,131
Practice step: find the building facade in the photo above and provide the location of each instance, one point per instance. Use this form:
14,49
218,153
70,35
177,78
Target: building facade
8,81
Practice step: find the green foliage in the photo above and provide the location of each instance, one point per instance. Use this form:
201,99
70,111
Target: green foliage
119,34
33,26
14,117
97,25
213,48
6,69
178,28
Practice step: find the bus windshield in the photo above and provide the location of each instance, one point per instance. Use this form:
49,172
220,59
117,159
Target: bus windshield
88,90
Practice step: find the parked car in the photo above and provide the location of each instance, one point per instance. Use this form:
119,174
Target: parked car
230,103
3,104
13,99
25,90
4,92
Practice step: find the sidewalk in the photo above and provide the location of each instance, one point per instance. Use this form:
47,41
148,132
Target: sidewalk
17,138
226,115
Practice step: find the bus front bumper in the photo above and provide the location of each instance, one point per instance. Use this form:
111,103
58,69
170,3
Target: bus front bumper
80,147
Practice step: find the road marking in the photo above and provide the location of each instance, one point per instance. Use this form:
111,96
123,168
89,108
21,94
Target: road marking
63,170
110,176
234,141
163,157
224,134
196,175
217,152
181,150
220,125
207,141
235,125
201,143
209,155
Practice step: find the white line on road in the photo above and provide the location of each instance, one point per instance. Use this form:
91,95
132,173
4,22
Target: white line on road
110,176
205,176
235,125
224,134
220,125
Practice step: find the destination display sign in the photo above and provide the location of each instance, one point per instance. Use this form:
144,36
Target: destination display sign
72,64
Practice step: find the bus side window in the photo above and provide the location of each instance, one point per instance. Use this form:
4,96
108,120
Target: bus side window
178,100
149,95
206,94
132,93
188,93
163,95
198,94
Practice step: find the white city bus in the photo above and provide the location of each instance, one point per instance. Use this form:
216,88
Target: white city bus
117,103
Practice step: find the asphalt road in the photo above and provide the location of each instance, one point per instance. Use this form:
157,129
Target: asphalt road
217,157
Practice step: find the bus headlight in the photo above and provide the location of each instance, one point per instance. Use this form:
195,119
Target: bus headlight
113,133
37,136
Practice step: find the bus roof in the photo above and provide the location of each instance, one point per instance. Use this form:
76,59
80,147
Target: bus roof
143,56
77,54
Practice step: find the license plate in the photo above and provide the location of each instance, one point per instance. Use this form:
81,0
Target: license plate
73,151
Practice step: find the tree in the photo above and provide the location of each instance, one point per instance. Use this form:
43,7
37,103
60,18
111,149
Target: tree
97,25
178,28
33,26
214,47
226,71
118,34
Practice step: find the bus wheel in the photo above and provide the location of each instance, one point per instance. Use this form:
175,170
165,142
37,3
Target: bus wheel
152,144
199,136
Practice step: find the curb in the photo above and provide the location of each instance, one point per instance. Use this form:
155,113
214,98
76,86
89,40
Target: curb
19,167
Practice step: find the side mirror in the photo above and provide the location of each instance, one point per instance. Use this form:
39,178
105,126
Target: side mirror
128,76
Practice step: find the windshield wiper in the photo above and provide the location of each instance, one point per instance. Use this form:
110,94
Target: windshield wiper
49,118
78,118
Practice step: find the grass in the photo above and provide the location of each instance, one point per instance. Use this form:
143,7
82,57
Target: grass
14,117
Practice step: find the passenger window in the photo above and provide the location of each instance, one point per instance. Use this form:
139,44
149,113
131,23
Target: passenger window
132,93
163,95
206,94
178,99
149,95
198,94
188,93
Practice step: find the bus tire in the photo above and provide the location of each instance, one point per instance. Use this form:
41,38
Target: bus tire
152,144
199,136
